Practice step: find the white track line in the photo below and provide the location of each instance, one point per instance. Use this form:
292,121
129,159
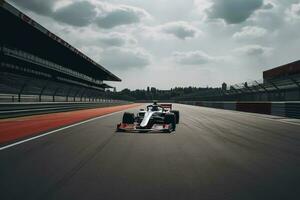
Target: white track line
56,130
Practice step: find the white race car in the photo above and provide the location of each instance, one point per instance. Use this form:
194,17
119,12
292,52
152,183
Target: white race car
156,118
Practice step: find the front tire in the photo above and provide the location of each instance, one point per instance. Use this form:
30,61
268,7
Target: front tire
170,118
176,113
128,118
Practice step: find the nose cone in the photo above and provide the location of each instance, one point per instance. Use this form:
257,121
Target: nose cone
146,119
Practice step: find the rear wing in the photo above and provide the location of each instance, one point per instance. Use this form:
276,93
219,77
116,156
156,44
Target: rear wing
166,106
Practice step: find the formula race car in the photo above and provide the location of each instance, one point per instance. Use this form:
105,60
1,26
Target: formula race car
156,118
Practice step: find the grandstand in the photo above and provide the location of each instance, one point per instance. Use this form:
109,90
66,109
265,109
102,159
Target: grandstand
279,84
38,64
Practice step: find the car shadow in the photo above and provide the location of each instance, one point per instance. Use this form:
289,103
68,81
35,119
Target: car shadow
146,133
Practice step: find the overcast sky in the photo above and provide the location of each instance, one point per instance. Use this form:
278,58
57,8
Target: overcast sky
168,43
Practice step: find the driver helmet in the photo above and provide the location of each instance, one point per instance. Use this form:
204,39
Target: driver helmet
155,108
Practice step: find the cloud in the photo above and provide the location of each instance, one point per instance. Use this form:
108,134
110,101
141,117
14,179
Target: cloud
193,58
233,11
92,37
295,9
123,58
113,16
93,52
180,29
271,19
268,6
293,12
253,50
120,37
116,39
38,6
84,12
250,32
80,13
203,5
119,58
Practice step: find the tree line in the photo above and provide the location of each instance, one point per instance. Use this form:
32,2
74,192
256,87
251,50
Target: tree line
177,93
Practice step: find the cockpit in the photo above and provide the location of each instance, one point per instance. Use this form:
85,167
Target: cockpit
154,108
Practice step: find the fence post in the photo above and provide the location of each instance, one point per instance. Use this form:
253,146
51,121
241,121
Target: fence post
265,89
53,96
26,82
74,98
42,91
67,97
298,84
276,87
84,91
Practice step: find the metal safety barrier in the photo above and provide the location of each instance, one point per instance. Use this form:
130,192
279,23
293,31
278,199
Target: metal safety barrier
9,110
284,109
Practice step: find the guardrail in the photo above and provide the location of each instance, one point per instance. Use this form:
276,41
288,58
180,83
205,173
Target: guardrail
7,98
9,110
284,109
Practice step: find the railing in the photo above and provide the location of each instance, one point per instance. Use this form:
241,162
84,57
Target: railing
20,88
4,98
267,90
282,109
288,82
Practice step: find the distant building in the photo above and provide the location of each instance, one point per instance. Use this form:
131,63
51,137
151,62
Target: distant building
224,86
153,90
283,71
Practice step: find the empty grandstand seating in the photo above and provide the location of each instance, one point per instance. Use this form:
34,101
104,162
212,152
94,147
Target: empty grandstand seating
37,65
11,85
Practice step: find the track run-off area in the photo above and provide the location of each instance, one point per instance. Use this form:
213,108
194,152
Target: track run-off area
13,129
214,154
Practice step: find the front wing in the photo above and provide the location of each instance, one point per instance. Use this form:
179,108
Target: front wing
135,128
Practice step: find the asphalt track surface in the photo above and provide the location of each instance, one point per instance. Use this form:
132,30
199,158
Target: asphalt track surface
214,154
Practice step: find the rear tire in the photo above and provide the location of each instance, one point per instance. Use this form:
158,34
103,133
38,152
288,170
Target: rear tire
176,113
170,118
128,118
